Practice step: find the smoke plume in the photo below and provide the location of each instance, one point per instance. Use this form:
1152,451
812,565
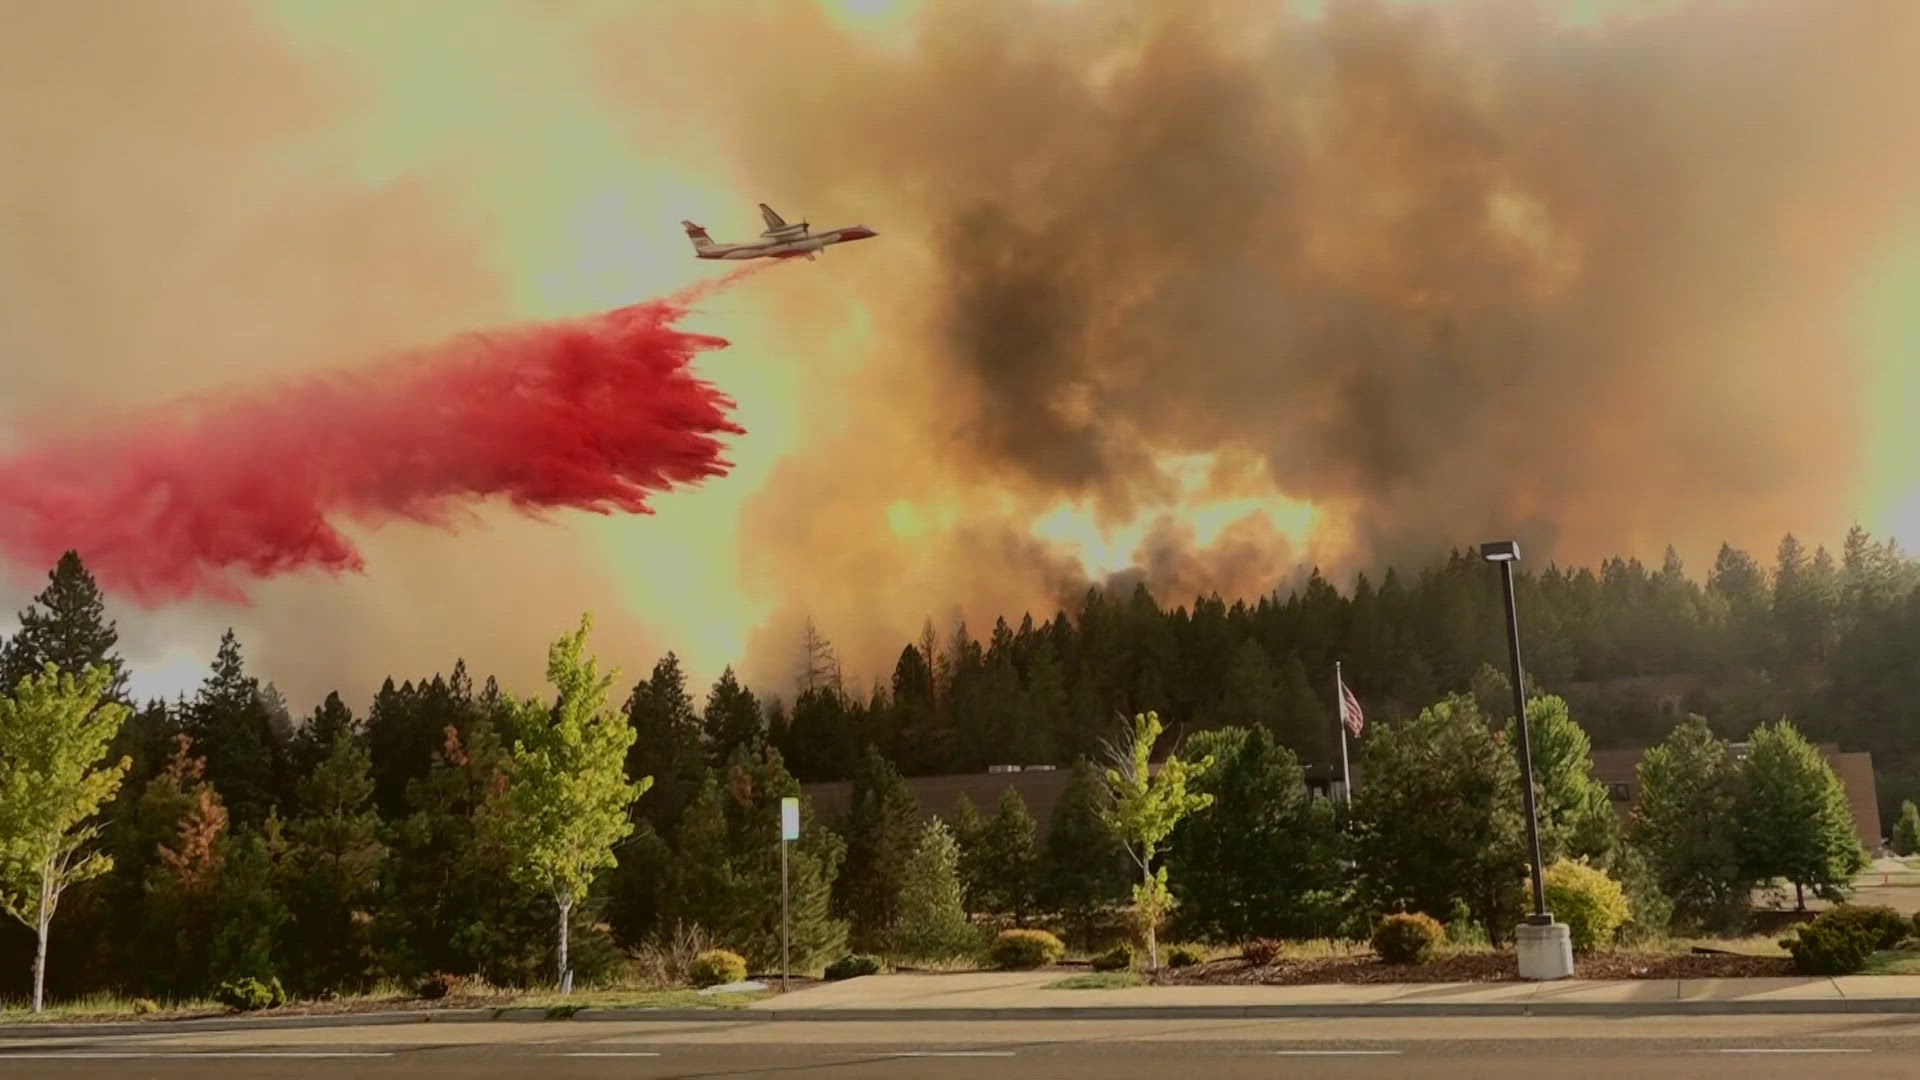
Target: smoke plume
589,414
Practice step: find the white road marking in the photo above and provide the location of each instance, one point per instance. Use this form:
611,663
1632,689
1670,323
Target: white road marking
610,1053
952,1053
87,1055
1795,1050
1335,1053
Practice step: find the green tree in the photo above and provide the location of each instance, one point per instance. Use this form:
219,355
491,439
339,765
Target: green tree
666,742
1794,820
1009,860
882,828
234,728
1906,831
66,625
1577,820
567,798
932,922
1686,826
331,723
969,832
331,874
1438,821
1264,861
54,730
1086,868
1146,807
732,719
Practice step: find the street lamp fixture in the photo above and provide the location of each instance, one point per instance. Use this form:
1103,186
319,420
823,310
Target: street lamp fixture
1545,952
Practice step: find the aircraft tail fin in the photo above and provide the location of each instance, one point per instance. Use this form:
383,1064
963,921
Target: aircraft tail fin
701,241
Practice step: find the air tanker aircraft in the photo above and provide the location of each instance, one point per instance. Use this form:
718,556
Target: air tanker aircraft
779,241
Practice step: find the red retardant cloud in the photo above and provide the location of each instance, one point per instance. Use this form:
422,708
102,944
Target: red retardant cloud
587,414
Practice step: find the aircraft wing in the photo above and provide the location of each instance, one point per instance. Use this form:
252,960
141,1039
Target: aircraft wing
774,221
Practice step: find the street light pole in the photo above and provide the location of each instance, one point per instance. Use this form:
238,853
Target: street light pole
1506,553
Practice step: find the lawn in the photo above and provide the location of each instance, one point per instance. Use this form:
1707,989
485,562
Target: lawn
104,1007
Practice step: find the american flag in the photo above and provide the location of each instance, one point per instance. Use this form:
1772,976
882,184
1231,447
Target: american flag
1350,714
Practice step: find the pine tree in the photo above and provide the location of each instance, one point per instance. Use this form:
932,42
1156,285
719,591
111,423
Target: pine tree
1686,825
1906,831
1009,861
1086,868
331,875
882,826
969,835
54,730
732,719
1576,819
332,723
248,913
182,818
1794,820
666,743
66,625
233,730
932,921
566,804
1145,808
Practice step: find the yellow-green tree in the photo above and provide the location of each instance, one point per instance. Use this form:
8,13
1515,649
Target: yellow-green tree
567,797
1144,807
54,731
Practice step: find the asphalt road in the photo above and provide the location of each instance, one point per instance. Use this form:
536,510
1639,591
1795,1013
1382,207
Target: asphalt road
1749,1048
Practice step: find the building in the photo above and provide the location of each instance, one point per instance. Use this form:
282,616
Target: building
1040,787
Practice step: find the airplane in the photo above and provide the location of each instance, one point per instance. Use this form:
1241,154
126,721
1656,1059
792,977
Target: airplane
779,241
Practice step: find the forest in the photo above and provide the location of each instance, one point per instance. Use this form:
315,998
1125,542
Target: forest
335,850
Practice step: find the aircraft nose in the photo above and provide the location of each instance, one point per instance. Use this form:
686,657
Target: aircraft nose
858,232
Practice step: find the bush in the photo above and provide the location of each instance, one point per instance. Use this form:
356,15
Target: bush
1404,938
1118,958
716,967
1184,956
143,1006
1261,951
1833,948
1025,949
248,995
439,985
1888,927
852,966
1592,904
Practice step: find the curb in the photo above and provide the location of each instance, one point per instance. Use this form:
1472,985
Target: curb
1777,1007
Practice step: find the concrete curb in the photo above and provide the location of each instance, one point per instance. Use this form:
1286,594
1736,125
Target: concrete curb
1707,1007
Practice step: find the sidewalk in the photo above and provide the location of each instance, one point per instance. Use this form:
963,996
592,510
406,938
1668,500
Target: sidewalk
1025,996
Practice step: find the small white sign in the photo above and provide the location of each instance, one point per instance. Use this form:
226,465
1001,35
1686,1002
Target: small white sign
789,819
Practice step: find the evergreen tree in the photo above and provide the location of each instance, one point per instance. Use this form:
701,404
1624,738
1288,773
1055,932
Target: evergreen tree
331,874
54,730
1145,807
249,916
1906,831
932,919
969,835
1438,821
566,803
182,816
1794,820
882,827
1263,861
732,719
666,743
1686,825
332,723
1086,868
66,625
233,730
1008,863
1576,819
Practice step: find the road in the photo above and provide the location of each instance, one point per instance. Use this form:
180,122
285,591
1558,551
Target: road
1745,1047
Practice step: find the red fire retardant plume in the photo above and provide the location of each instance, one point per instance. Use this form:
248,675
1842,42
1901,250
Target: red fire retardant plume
588,414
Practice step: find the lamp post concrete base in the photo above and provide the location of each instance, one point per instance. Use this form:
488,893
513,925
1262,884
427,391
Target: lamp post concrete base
1546,951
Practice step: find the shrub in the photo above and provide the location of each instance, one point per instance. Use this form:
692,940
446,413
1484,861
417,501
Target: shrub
716,967
1404,938
1592,904
439,985
1833,948
248,995
1261,951
143,1006
1118,958
852,966
1888,927
1025,949
1184,956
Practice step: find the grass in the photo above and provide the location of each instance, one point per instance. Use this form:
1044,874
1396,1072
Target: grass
1098,980
1892,962
102,1007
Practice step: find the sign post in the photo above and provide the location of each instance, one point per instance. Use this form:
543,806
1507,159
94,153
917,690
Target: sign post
789,831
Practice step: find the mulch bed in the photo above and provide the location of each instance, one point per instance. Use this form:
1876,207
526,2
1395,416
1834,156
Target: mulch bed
1471,968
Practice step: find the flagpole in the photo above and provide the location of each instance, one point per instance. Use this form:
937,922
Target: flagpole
1340,720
